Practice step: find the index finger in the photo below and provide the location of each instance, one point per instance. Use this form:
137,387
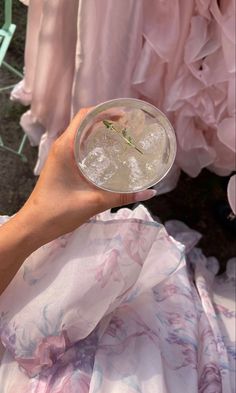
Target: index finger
76,121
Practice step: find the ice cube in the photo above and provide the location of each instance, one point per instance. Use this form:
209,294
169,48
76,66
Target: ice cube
152,140
134,121
98,165
97,138
136,170
105,138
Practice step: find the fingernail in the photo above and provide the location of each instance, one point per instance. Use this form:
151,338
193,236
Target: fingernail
145,195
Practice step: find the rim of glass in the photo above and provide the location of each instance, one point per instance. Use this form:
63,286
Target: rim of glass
137,104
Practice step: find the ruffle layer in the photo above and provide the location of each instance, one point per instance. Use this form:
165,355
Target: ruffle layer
189,72
179,56
112,258
132,314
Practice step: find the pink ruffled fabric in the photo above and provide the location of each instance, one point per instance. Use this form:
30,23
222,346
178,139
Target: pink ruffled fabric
179,55
112,258
118,306
194,79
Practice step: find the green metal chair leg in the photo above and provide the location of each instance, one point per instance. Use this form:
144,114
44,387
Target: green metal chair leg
12,69
17,152
6,34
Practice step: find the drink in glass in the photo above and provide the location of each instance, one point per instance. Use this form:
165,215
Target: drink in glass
125,145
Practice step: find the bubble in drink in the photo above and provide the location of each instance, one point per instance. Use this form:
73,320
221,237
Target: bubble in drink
127,150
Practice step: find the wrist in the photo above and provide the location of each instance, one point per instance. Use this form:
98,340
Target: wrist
18,240
34,228
19,237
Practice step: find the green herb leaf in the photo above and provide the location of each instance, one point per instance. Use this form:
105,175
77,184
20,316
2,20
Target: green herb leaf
106,123
123,134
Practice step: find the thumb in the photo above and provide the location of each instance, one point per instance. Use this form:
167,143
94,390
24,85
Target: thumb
115,200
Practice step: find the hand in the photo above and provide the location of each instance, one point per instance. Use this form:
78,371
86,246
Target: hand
63,198
61,201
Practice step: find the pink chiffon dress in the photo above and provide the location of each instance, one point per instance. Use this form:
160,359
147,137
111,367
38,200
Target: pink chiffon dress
122,304
178,55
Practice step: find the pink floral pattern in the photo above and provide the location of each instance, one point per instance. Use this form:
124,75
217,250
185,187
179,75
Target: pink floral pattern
109,270
116,308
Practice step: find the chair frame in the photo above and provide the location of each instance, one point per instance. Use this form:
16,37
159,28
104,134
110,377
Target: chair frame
6,33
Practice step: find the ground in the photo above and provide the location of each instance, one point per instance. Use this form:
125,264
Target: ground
16,178
199,202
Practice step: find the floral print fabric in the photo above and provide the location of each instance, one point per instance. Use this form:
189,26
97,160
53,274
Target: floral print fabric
119,306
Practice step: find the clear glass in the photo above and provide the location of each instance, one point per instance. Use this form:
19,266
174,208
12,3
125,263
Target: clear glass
125,145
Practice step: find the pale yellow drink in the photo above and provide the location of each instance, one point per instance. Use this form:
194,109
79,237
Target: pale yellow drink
127,145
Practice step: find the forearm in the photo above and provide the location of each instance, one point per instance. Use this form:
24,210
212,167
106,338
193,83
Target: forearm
19,237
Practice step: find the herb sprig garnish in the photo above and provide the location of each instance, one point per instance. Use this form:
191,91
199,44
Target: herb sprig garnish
123,133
